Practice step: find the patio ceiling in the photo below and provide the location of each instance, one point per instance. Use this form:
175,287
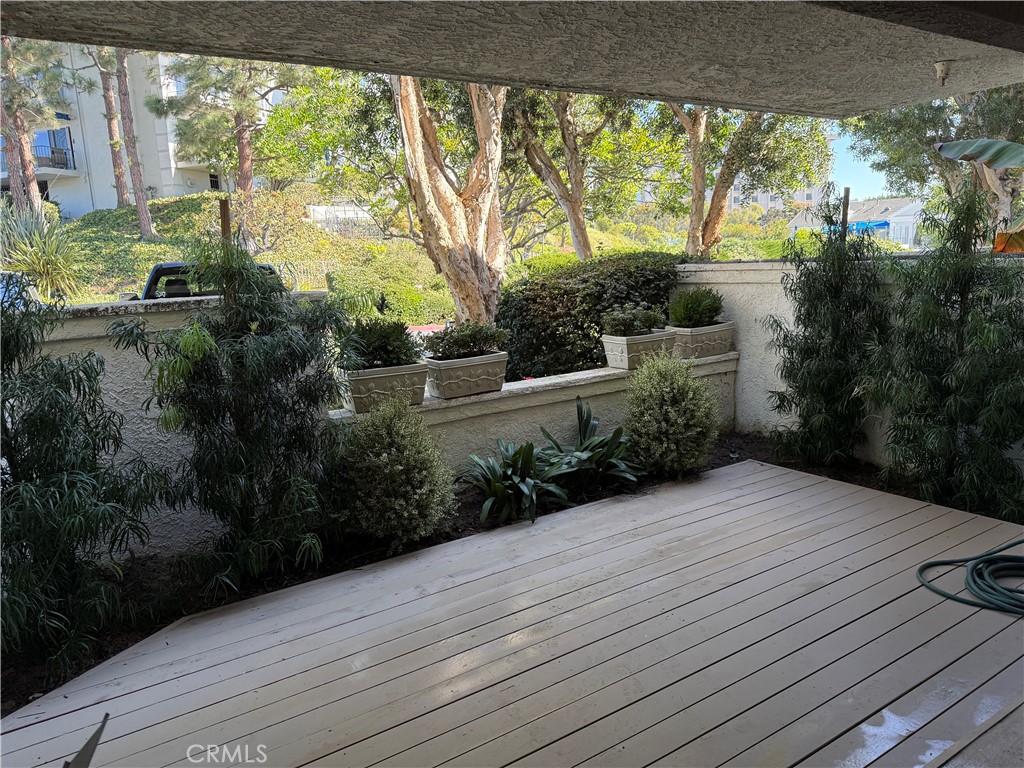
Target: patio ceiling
832,59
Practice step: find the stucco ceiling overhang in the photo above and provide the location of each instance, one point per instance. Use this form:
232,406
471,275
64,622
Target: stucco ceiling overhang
828,59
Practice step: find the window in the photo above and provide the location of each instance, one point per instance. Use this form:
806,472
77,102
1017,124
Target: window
214,181
774,198
736,199
808,196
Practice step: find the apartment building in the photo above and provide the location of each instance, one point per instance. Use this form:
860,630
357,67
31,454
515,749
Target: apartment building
73,157
773,201
887,218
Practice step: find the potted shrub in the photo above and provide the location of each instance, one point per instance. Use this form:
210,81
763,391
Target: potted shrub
465,360
391,362
629,334
693,317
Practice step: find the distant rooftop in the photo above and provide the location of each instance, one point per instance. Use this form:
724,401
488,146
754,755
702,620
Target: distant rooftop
860,210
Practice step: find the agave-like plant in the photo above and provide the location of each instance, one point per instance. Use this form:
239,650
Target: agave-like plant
596,463
43,249
517,483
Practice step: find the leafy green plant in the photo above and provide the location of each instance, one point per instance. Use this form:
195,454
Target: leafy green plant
596,464
42,248
69,507
248,381
952,371
384,343
467,339
823,353
389,478
553,316
695,307
517,484
673,417
631,320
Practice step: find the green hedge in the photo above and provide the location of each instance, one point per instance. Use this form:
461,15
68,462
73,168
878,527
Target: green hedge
553,316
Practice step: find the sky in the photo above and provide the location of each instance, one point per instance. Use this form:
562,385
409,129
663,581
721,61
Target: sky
850,171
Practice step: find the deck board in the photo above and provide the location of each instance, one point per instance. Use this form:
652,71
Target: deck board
757,616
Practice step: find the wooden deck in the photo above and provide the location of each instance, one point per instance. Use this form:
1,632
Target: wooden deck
755,617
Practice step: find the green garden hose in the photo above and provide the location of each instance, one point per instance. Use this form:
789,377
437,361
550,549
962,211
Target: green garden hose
982,581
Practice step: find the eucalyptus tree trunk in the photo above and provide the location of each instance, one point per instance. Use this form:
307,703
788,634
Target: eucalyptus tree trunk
131,147
695,124
112,116
569,196
15,179
460,221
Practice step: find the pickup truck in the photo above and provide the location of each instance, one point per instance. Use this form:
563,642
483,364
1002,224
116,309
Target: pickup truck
178,280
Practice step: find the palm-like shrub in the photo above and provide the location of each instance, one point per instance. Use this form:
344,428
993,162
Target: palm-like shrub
44,249
952,373
248,381
384,343
68,510
391,478
596,464
673,417
823,353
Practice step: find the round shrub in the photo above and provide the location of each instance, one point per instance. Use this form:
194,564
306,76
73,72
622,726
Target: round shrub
395,483
673,417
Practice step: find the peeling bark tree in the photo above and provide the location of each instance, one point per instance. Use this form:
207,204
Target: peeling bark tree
131,147
106,65
460,220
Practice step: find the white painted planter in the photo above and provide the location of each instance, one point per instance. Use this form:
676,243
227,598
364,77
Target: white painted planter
626,351
366,387
705,341
449,379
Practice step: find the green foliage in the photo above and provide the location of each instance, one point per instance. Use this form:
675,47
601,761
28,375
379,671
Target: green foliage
673,417
631,320
392,480
517,484
695,307
952,373
382,343
835,292
552,317
248,381
464,340
68,508
44,249
41,84
596,464
735,249
773,249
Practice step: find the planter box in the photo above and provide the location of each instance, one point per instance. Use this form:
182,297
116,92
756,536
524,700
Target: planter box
449,379
626,351
705,341
366,387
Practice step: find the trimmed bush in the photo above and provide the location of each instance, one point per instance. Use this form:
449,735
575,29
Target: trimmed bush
553,318
394,481
695,307
632,320
384,343
464,340
673,417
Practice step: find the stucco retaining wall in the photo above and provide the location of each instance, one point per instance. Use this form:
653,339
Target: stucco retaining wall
473,424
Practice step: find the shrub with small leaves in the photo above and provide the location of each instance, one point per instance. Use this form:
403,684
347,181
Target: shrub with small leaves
632,320
393,481
385,343
673,417
464,340
695,307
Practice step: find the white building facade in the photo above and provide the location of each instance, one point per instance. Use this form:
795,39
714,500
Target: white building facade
73,161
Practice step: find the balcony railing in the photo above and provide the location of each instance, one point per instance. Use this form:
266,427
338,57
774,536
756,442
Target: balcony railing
46,156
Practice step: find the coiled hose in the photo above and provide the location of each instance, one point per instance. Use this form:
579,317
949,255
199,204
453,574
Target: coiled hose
983,574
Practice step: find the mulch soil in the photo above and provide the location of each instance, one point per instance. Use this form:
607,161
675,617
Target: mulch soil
149,580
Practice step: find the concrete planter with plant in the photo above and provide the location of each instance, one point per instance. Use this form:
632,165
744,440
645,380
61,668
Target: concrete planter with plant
630,335
694,319
391,362
465,360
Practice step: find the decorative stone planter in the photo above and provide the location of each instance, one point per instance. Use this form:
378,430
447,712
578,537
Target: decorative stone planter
449,379
705,341
366,387
626,351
